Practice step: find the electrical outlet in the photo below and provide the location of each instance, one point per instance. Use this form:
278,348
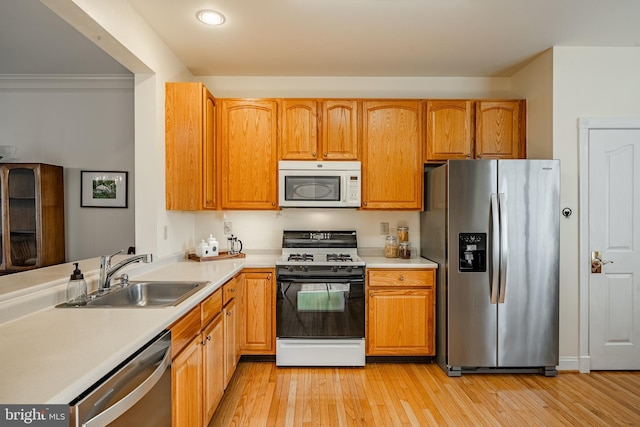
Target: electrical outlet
227,227
384,228
165,232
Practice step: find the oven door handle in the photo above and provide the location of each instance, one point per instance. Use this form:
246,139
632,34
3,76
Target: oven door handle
113,412
357,281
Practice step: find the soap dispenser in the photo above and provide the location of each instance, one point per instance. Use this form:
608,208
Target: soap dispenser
76,288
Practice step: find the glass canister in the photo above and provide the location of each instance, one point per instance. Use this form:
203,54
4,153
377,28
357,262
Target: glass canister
403,233
391,247
404,250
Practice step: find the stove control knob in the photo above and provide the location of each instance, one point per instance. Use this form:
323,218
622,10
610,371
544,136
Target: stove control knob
349,269
334,268
306,269
290,269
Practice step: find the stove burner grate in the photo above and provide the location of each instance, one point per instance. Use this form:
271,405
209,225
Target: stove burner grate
300,257
339,257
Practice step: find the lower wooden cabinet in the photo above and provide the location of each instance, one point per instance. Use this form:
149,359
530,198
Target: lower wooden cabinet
186,383
259,308
400,312
197,377
230,340
213,370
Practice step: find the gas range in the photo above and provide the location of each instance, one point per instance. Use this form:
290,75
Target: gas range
320,301
319,255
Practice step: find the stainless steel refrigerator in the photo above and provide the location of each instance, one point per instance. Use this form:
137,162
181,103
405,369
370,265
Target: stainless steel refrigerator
493,228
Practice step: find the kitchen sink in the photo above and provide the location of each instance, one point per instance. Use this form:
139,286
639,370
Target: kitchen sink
144,294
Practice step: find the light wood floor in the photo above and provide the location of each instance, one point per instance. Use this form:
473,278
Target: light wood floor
384,394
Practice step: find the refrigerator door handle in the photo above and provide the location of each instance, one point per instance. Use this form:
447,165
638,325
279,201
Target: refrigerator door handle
504,246
495,248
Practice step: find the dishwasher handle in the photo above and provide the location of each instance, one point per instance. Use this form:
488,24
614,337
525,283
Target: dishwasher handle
123,405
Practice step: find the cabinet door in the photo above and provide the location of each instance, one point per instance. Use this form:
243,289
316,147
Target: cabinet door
449,130
299,129
213,376
259,313
339,130
248,155
392,156
186,384
32,233
400,322
500,129
230,351
190,158
209,156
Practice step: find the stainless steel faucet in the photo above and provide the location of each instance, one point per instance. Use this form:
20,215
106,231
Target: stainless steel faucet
107,272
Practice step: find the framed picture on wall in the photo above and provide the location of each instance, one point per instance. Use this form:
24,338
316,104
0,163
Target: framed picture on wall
103,189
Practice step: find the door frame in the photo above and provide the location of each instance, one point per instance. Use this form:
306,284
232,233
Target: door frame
585,125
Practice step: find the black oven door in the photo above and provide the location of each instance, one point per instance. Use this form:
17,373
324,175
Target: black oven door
310,309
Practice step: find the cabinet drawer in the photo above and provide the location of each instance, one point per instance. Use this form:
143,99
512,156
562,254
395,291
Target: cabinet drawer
408,278
210,307
183,331
229,290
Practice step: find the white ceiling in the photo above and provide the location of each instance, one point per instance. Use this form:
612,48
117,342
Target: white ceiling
477,38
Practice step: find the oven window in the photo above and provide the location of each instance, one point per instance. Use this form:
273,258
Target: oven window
322,296
316,310
312,188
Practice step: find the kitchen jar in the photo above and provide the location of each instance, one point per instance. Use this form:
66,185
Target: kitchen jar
403,233
391,247
404,250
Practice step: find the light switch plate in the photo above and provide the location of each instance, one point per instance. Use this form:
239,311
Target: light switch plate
384,228
227,227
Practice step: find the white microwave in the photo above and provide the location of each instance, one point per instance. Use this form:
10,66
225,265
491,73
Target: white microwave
311,184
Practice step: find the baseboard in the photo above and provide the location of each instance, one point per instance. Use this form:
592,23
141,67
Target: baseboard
568,364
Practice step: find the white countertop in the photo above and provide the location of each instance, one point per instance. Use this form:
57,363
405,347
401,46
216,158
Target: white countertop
54,354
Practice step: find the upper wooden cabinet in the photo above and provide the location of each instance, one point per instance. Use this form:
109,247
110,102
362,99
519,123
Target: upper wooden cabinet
465,129
391,155
500,129
449,130
248,153
299,129
190,150
318,129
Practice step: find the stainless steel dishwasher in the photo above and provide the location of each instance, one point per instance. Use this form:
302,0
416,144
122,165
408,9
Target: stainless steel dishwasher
136,393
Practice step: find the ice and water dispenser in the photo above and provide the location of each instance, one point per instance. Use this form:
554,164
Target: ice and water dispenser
472,252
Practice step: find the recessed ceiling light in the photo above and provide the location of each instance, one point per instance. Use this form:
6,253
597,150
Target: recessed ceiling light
210,17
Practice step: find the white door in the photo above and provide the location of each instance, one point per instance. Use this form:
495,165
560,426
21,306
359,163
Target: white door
614,231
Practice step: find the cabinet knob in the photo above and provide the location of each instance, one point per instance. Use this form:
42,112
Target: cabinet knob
314,154
364,203
371,294
228,313
269,277
273,203
208,337
233,289
401,278
324,154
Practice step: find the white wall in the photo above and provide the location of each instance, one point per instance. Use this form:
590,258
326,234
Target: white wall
118,29
587,82
80,123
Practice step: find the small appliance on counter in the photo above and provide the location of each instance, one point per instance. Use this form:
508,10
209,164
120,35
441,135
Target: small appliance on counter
209,249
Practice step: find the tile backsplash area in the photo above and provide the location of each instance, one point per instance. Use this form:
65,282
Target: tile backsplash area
260,230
